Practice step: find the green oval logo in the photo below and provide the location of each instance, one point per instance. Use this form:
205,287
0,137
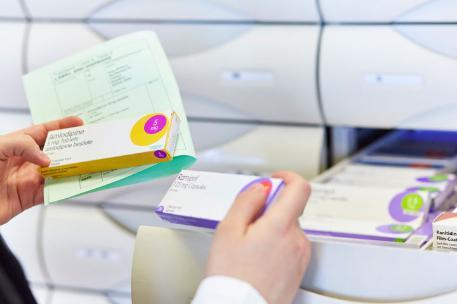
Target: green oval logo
412,203
401,228
439,178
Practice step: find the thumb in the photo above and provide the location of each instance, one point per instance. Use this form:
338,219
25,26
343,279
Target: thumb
24,146
246,207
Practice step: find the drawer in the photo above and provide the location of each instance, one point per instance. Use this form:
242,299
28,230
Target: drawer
49,42
391,76
356,273
210,10
389,11
22,234
11,66
83,248
240,71
11,9
67,9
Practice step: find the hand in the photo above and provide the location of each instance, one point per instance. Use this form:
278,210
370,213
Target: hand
21,184
270,252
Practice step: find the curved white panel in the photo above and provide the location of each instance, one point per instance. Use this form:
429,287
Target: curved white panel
377,11
389,80
145,195
11,121
79,9
198,38
344,273
21,235
133,219
263,150
41,293
378,273
83,248
196,105
74,297
49,42
247,10
208,136
305,297
11,91
179,270
11,8
251,72
432,11
436,39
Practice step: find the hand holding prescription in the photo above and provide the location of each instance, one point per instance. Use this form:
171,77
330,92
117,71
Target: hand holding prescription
21,184
269,252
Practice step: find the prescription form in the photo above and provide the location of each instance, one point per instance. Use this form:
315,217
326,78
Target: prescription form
124,77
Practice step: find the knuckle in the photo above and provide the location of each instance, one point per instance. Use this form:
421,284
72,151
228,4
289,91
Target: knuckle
304,186
303,244
277,225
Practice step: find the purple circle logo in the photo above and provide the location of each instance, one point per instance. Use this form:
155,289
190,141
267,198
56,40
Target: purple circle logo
406,206
160,154
155,124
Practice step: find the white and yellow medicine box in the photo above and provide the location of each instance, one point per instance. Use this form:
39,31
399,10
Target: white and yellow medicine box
111,145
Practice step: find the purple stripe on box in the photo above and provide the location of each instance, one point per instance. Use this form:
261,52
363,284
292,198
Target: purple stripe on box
205,223
212,224
352,236
187,220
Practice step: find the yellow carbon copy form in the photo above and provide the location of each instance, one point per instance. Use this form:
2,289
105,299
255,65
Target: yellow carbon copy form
124,77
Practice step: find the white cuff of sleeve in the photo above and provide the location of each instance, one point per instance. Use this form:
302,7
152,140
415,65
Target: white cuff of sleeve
226,290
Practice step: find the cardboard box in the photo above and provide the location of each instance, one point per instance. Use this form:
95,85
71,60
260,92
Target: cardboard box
202,199
111,145
445,231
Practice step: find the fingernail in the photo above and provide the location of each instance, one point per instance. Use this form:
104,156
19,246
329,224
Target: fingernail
258,187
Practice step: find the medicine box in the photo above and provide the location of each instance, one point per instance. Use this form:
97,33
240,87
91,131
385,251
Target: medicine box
115,144
202,199
445,231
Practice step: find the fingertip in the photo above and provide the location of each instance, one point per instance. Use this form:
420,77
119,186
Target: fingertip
287,176
279,174
256,188
44,159
72,121
38,158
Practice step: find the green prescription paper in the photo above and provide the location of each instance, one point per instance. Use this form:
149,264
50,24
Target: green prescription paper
127,76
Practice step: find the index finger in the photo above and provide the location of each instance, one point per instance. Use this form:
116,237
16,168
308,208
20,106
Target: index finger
291,200
40,132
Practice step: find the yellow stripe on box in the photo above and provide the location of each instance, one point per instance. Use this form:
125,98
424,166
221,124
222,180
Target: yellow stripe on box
125,161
